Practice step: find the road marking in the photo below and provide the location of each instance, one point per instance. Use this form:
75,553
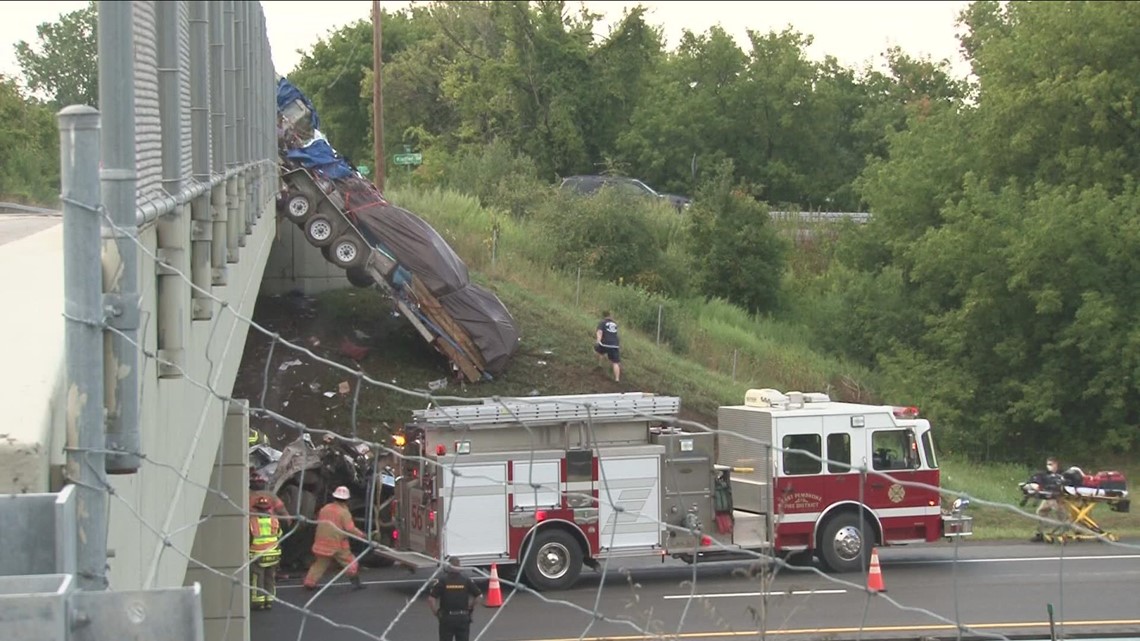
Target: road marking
869,628
729,595
294,586
1015,559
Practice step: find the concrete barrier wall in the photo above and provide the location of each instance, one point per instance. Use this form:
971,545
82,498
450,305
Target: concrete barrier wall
295,265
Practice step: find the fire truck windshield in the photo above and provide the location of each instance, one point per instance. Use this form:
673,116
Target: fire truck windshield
928,450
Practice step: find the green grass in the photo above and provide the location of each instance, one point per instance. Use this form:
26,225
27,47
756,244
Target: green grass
741,350
557,315
997,483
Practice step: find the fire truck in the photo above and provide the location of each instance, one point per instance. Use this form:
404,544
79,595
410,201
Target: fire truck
546,485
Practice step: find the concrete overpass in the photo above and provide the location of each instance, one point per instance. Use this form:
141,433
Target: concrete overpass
185,152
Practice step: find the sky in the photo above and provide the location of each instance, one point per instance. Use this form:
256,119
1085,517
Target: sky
856,33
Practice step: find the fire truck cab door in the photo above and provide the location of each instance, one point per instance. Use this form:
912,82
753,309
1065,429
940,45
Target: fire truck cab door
845,452
892,452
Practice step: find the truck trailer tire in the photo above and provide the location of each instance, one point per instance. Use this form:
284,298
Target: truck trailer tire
320,230
846,542
358,277
552,560
348,251
298,207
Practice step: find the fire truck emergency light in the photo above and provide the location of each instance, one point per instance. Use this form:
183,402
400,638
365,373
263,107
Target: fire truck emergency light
858,421
906,412
463,447
440,449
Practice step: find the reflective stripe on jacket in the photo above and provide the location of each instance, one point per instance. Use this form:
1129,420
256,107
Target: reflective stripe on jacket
334,524
264,533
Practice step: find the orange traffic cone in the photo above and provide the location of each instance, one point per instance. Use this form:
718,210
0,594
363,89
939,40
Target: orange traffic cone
494,593
875,576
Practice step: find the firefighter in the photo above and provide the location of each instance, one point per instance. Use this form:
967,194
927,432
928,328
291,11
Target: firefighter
1050,481
452,600
257,490
264,554
334,524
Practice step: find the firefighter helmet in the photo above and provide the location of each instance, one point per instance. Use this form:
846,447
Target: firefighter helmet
341,493
262,503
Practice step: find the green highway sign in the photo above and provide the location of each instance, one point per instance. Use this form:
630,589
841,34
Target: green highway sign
408,159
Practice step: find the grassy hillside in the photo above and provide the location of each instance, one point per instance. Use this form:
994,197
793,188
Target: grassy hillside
557,316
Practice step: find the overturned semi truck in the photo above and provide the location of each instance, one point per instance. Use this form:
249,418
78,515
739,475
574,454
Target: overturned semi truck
380,245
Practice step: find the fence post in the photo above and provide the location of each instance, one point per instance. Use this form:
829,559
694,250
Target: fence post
79,152
734,353
494,246
119,177
659,310
578,287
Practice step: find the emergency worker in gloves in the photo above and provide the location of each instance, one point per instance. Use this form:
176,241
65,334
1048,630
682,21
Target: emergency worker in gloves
334,524
452,600
1050,482
264,555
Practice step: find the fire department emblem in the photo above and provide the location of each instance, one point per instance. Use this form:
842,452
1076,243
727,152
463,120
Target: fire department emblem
896,493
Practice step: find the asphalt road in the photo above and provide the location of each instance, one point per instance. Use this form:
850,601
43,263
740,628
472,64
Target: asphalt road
995,589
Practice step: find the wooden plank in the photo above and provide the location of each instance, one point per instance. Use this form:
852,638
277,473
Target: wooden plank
441,317
468,369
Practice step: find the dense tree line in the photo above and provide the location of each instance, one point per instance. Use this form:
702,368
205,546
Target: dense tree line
59,69
996,285
996,282
461,74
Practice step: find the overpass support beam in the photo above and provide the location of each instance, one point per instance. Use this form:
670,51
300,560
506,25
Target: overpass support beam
222,541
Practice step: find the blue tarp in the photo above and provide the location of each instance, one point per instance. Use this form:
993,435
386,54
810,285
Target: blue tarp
320,157
287,93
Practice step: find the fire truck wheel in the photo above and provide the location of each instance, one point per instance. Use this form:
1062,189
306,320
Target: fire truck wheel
553,560
846,543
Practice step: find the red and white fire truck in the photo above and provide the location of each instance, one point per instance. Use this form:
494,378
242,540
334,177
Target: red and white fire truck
549,484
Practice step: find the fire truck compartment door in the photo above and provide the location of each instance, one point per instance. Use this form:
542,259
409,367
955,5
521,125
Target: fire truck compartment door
537,484
473,514
634,484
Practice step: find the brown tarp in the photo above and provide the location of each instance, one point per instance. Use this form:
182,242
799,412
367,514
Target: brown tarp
419,248
416,246
488,322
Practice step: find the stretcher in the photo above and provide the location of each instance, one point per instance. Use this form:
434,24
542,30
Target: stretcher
1077,503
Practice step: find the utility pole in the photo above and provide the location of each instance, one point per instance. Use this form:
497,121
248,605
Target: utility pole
377,100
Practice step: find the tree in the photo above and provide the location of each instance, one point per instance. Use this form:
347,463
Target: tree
64,64
737,254
29,166
1009,224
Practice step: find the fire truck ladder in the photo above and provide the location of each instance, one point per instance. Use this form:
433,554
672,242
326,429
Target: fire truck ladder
551,409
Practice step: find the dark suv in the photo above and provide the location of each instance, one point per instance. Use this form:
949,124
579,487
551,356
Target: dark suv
586,185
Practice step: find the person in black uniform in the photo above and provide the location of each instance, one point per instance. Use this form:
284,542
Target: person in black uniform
1050,482
452,600
607,344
